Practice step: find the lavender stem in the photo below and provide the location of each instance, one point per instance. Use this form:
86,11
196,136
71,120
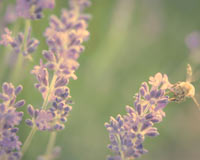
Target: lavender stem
28,140
34,129
120,148
26,33
20,58
7,50
50,145
53,81
196,102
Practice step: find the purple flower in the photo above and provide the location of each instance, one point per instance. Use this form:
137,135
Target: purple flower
64,38
52,118
9,141
42,76
193,41
46,4
9,118
17,42
43,120
128,133
81,4
32,9
7,37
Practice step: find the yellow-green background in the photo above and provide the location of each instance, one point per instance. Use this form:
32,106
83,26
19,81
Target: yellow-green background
130,41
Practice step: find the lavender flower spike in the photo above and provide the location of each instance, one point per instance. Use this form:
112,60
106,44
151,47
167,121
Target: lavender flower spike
9,118
127,133
32,9
64,38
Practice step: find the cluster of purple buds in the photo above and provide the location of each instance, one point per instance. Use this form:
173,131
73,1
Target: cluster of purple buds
9,119
18,42
127,133
32,9
64,38
49,119
82,4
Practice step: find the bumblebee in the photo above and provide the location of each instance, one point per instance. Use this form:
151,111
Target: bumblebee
183,90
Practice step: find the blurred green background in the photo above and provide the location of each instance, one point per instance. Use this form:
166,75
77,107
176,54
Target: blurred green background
130,41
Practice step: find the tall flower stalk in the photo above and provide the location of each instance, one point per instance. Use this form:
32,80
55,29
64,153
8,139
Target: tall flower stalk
64,38
127,133
10,118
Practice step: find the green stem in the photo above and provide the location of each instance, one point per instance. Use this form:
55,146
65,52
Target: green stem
34,129
20,59
46,100
120,148
27,28
28,140
50,145
7,53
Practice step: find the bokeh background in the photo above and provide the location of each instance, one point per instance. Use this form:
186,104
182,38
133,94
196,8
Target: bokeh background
130,41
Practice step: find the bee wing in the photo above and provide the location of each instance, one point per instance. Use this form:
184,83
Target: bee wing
189,77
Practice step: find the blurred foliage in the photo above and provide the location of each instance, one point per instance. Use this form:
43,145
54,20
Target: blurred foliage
130,41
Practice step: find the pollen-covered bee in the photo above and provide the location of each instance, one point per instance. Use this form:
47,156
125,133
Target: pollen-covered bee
183,90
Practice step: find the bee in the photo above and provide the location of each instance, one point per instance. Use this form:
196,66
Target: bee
183,90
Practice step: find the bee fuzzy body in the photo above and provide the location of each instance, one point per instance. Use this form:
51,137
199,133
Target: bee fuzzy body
181,91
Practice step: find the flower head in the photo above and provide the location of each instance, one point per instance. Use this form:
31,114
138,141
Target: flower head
9,118
79,4
50,119
6,37
32,9
17,42
127,133
64,38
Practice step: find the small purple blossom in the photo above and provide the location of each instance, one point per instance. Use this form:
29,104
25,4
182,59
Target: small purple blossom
42,76
80,4
17,42
52,118
9,118
65,37
32,9
7,37
127,133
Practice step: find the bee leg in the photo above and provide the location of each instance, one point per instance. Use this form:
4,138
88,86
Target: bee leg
196,102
